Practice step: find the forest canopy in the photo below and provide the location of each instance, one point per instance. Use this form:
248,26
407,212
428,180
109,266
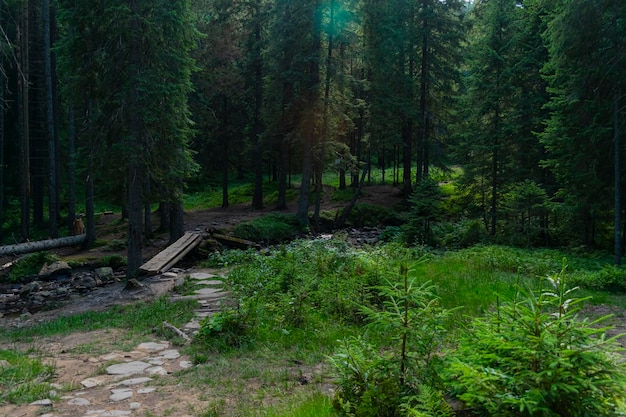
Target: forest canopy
135,103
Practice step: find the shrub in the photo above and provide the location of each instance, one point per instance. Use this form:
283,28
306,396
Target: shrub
227,329
370,215
392,366
610,277
533,356
272,228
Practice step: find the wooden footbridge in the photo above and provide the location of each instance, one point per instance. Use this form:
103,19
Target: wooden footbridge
169,256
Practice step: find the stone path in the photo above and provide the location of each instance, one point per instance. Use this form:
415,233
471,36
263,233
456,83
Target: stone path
128,383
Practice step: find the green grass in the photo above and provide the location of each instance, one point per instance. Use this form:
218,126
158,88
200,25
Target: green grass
138,318
23,379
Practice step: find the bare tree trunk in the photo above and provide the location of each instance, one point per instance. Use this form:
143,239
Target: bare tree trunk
52,152
257,197
2,76
281,204
90,218
617,179
71,144
164,216
135,168
24,122
225,151
147,212
177,225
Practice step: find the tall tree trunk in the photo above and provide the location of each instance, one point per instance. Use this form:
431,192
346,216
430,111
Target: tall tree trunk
617,178
2,72
302,212
423,140
135,169
177,224
52,151
308,135
225,153
257,197
164,216
147,211
283,152
24,122
407,138
325,116
90,213
71,144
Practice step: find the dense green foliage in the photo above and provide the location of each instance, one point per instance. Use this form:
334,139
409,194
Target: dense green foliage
525,96
534,356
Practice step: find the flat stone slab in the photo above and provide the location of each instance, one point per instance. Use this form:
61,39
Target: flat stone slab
44,403
209,292
91,382
156,370
152,347
129,368
211,283
185,364
192,325
79,401
121,394
112,357
115,413
202,275
134,381
170,354
146,390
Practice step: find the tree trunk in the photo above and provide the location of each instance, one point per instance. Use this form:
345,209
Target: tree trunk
177,225
90,217
281,204
2,72
135,168
52,151
71,175
341,221
257,197
164,216
617,179
225,153
302,212
41,245
407,138
24,123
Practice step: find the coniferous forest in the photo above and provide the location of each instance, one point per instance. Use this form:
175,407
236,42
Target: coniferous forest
136,102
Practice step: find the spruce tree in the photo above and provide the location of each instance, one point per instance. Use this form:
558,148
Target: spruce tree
585,75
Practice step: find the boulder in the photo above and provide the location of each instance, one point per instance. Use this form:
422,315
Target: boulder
105,273
54,268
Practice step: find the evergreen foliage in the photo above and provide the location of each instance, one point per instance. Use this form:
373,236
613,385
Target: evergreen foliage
534,356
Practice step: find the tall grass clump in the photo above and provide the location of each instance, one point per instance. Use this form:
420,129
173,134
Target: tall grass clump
23,379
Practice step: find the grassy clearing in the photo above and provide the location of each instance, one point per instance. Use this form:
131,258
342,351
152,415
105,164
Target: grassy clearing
268,354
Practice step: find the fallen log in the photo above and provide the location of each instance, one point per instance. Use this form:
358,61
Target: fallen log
40,245
234,241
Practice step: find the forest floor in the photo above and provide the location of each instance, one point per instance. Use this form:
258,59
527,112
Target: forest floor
111,229
83,356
